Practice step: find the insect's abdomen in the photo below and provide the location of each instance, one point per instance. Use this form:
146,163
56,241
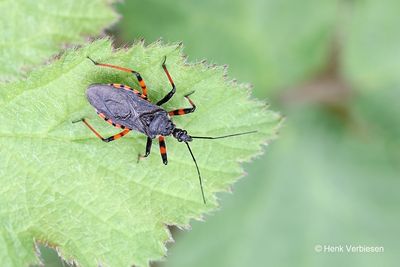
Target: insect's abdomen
123,107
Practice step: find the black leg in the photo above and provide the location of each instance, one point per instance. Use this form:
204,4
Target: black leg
148,148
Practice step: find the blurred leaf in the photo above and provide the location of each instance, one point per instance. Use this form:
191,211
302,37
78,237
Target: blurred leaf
62,186
270,43
371,49
32,31
50,258
316,186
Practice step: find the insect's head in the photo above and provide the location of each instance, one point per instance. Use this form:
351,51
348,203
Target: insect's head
181,135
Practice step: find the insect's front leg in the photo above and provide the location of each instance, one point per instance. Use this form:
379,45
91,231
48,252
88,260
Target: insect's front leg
148,146
163,149
148,149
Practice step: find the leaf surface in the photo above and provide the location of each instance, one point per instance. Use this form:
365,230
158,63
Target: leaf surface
32,31
61,185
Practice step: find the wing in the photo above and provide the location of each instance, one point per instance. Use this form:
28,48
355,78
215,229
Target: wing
118,107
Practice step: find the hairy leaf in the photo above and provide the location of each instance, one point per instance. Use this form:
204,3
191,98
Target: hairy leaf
60,185
31,31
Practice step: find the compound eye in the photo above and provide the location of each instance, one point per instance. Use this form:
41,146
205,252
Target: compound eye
118,107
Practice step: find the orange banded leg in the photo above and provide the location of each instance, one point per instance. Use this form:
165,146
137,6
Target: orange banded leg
125,87
183,111
137,74
116,125
173,90
108,139
163,149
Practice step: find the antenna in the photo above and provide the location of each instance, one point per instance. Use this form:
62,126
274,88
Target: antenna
219,137
198,172
194,159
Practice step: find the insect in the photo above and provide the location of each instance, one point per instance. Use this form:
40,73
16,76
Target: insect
129,109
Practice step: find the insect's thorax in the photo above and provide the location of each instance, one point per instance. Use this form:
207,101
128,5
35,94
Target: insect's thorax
129,110
158,124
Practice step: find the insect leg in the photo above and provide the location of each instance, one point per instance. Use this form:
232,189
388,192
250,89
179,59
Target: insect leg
183,111
173,90
148,148
163,149
108,139
125,87
137,74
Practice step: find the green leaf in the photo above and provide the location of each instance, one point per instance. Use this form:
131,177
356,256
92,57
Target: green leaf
32,31
50,258
271,43
60,185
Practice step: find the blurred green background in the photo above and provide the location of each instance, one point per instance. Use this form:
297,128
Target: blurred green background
332,178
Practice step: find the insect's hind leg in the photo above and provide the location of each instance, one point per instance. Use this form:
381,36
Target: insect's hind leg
108,139
173,90
183,111
137,74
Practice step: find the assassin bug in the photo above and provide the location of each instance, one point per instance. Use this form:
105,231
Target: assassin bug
126,108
